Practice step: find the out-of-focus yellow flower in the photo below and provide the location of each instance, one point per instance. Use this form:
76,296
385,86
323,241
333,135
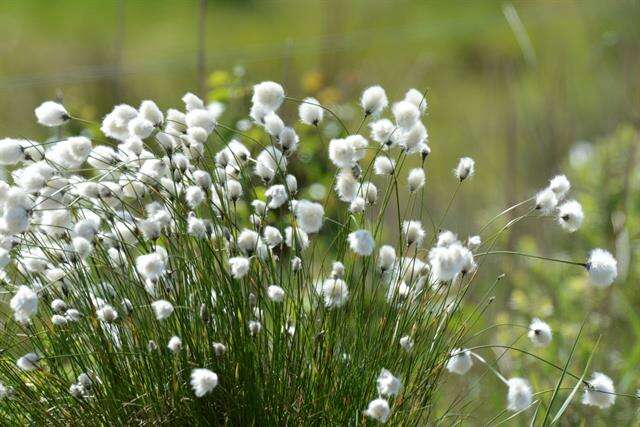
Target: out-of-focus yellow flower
219,78
330,95
312,81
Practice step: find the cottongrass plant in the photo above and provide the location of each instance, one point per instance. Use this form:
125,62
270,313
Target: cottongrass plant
173,272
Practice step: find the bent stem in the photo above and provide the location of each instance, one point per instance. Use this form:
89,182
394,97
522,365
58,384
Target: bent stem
494,370
563,261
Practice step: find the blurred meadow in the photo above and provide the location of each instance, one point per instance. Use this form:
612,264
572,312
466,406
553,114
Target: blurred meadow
528,89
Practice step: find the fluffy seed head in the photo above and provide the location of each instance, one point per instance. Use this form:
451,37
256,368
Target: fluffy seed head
599,392
560,185
203,381
361,242
546,201
539,333
416,179
239,267
175,344
51,114
378,409
387,384
268,94
24,304
335,293
374,100
602,267
570,215
310,111
406,114
386,257
460,361
162,308
417,98
383,165
465,168
275,293
309,216
520,395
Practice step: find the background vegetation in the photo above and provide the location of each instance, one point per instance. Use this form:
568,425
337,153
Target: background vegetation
526,88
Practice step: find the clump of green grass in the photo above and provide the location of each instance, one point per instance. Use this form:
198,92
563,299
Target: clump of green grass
184,276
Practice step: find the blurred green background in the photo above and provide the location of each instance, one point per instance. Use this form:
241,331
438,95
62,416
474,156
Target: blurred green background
527,88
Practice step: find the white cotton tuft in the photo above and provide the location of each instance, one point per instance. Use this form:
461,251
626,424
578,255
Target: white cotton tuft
413,140
24,304
29,362
386,257
382,132
107,314
192,102
460,361
546,201
254,327
520,395
465,168
540,333
474,242
219,349
11,151
413,232
201,119
248,241
296,237
378,409
416,179
359,144
150,111
388,385
273,124
270,95
175,344
361,242
162,309
599,392
150,266
570,215
194,195
346,186
337,270
140,127
374,100
51,114
417,98
239,267
288,139
407,343
270,162
342,153
406,114
560,185
309,216
272,236
276,196
310,112
358,205
383,165
275,293
116,124
58,305
335,293
58,320
203,381
602,267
